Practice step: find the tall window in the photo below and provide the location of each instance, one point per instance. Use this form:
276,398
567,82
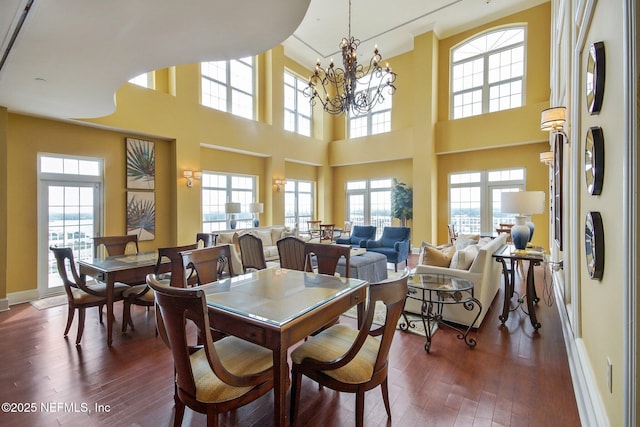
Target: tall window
217,190
487,73
369,203
378,120
143,80
229,86
297,109
298,204
475,199
69,211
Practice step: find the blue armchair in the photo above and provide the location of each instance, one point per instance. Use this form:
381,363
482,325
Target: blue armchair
360,234
394,243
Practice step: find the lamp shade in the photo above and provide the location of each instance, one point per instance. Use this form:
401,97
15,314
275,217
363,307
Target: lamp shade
553,118
523,202
232,208
256,207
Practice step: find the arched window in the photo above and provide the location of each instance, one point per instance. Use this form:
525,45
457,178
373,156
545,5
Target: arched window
487,73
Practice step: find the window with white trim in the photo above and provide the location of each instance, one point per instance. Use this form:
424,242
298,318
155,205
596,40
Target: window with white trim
297,109
298,204
475,199
229,86
369,203
487,73
378,120
219,189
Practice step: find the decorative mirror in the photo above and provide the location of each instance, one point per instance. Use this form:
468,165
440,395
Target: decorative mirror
594,160
594,245
595,77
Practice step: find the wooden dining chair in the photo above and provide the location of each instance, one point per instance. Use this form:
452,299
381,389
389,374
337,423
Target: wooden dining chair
327,232
291,253
452,233
313,228
81,296
209,264
251,252
349,360
142,295
115,245
213,377
207,239
326,257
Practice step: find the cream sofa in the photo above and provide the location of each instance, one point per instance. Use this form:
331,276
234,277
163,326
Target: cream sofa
484,272
269,235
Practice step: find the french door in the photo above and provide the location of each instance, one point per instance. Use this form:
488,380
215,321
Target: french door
69,215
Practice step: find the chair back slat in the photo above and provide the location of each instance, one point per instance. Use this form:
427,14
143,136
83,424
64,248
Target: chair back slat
327,257
210,264
115,245
291,253
251,252
179,276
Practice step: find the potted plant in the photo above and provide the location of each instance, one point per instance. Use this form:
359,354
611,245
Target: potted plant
401,202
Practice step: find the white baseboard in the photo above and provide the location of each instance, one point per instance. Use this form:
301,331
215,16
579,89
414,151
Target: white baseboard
23,296
4,304
588,400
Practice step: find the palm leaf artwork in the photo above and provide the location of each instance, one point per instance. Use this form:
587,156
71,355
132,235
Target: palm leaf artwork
141,215
141,164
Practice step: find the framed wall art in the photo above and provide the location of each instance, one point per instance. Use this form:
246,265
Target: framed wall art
594,245
141,164
141,214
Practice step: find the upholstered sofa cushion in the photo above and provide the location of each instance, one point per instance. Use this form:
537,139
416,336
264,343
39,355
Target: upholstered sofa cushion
463,258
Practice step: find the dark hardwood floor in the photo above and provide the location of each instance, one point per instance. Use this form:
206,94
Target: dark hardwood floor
514,377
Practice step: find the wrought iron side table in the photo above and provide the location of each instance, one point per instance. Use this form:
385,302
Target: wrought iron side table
435,291
535,256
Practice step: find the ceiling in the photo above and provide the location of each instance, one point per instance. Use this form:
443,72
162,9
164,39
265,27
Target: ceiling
68,57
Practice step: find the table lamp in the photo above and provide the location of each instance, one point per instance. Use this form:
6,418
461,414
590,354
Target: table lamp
233,209
256,209
524,204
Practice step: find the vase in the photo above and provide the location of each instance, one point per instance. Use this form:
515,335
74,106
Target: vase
233,223
256,222
520,233
531,226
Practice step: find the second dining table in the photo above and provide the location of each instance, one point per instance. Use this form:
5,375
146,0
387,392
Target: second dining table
276,308
130,269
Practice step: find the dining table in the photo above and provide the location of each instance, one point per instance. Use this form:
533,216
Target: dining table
277,308
130,269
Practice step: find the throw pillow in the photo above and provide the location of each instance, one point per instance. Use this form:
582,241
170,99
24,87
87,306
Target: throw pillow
463,258
265,236
436,257
224,238
289,232
463,242
275,235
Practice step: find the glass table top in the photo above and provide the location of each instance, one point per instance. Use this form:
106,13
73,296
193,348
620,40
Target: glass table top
277,296
439,282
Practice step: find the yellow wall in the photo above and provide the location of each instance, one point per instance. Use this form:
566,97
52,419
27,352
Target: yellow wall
29,136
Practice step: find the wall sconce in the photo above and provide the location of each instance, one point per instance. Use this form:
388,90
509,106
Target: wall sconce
190,175
278,183
553,120
546,158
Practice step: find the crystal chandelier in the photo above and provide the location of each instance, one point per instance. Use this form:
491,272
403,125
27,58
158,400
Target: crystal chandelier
354,89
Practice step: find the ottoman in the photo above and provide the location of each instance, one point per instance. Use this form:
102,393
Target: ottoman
369,266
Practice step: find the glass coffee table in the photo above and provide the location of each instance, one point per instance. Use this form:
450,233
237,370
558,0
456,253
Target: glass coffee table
434,291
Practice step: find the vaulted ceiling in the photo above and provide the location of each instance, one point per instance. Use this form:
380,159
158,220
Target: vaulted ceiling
66,58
